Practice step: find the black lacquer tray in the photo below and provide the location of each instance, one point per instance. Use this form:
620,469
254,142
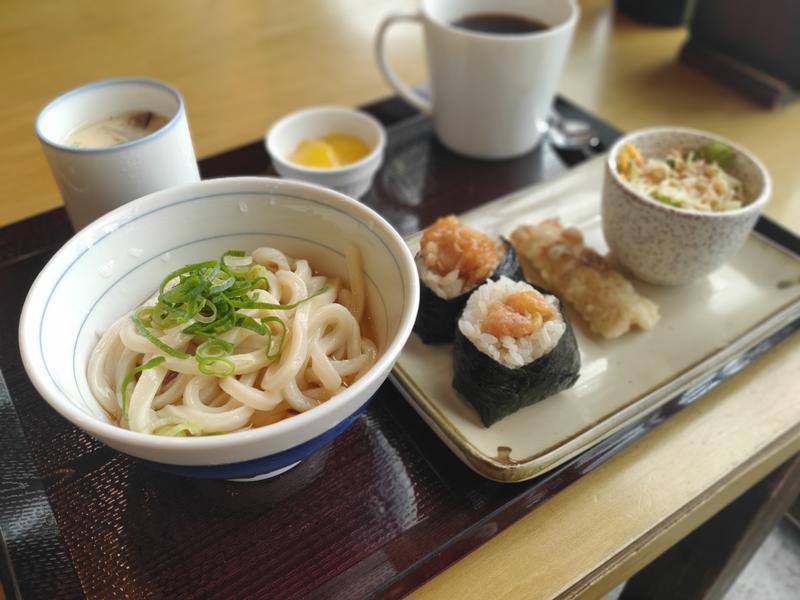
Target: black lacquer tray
376,513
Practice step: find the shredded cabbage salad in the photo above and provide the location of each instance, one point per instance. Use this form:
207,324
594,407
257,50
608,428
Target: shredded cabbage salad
695,180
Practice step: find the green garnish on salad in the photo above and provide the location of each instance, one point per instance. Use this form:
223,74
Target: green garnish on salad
664,199
717,152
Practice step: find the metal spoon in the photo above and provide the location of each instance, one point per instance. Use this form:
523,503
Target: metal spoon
571,134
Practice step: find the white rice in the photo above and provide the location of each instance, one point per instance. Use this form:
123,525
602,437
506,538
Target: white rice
508,351
445,286
450,285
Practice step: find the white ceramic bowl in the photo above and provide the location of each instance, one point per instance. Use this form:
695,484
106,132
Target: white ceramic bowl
671,246
116,262
353,179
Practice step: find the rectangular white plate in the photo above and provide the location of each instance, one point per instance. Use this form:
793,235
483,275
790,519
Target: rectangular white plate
703,326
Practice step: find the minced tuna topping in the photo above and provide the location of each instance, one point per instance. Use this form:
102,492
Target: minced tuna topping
448,246
518,315
516,305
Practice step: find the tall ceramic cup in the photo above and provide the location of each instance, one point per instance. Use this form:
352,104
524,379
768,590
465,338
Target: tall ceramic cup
492,92
94,181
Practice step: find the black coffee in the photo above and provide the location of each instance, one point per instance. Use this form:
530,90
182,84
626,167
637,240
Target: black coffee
499,23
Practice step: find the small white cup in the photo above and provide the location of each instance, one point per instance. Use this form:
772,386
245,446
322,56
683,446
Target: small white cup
94,181
353,179
492,93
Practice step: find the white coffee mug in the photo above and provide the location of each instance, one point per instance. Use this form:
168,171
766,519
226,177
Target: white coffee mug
94,181
491,92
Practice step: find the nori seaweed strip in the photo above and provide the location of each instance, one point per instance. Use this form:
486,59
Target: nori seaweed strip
495,391
437,317
509,266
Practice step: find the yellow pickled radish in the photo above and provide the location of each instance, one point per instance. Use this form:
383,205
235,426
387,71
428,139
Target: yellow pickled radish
333,150
314,153
348,148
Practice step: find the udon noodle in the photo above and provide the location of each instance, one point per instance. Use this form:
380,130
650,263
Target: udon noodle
277,341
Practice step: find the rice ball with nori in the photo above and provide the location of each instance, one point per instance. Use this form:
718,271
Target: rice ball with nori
513,347
453,260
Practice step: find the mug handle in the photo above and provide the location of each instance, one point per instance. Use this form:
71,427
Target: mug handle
404,91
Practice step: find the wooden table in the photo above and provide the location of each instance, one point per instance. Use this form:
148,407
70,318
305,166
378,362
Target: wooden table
241,65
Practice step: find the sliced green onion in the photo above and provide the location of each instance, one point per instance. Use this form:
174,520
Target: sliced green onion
277,353
224,265
213,348
153,362
145,313
187,269
142,328
238,262
165,317
256,271
240,288
162,317
179,430
250,323
210,356
250,303
208,313
188,289
210,273
221,282
218,367
225,320
257,274
209,294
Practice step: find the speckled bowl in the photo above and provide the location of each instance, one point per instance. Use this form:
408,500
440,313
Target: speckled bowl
671,246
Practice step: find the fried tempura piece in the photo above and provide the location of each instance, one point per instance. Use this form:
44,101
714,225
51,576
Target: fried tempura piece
583,278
